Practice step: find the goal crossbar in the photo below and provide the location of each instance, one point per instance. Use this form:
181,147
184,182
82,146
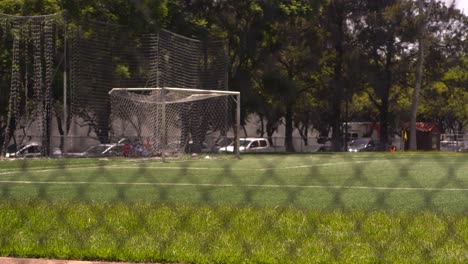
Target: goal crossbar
176,89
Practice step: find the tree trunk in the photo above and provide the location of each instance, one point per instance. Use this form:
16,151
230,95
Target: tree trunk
303,132
417,86
270,130
288,140
305,135
262,125
60,129
386,93
338,89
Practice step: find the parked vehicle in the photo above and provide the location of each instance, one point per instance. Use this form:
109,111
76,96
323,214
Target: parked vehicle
101,150
447,145
194,148
32,150
368,144
325,148
463,148
360,144
248,145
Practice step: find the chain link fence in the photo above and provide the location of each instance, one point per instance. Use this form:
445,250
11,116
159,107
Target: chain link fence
308,207
454,142
263,208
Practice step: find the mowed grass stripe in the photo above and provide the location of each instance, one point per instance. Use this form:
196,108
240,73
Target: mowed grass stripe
377,181
302,171
238,185
363,208
247,162
138,166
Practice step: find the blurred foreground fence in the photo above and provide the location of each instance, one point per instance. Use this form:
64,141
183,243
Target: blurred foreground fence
263,208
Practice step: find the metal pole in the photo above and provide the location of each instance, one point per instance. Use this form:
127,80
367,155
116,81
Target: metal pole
228,113
65,113
157,60
346,125
163,125
238,127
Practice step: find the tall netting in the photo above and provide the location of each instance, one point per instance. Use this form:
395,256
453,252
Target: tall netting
172,120
32,46
104,56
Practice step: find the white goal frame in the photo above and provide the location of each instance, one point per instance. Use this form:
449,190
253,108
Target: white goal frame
200,91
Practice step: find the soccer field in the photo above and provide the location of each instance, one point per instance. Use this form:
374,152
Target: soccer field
320,208
368,181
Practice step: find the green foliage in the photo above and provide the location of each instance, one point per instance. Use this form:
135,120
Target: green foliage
122,71
444,99
301,59
457,73
29,7
140,16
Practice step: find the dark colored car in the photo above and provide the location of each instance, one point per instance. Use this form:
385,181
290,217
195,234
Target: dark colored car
367,144
361,144
325,149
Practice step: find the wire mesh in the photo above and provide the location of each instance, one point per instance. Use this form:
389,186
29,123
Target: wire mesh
210,208
32,43
173,121
105,56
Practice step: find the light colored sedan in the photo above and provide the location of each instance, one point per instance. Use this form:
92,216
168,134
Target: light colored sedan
101,150
32,150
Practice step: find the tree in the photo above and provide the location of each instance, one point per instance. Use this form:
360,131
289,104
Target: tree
294,45
383,33
445,68
336,13
419,72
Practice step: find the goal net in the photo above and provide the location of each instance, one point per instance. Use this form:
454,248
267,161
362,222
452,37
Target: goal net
169,121
30,46
104,56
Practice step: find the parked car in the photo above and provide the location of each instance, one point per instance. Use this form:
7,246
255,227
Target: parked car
101,150
360,144
222,144
325,148
368,144
447,145
463,148
193,148
32,150
248,145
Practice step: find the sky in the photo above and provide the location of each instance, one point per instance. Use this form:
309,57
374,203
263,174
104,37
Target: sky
460,4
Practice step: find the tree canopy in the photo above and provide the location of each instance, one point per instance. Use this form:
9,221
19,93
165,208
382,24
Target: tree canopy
305,63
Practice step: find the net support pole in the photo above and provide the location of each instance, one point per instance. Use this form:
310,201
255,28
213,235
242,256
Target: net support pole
65,114
237,130
163,125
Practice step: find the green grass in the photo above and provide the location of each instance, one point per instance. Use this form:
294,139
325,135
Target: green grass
345,208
